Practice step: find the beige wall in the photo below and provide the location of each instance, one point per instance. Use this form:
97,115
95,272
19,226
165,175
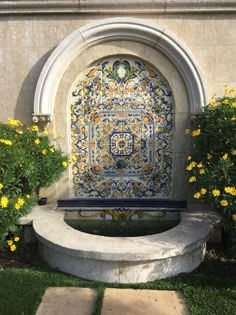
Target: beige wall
26,43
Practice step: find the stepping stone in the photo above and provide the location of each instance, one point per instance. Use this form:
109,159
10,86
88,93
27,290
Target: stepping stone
143,302
69,301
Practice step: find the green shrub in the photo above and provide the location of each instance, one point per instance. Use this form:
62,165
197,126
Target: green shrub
28,162
212,168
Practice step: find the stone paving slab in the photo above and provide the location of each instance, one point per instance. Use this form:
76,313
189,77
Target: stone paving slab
67,301
143,302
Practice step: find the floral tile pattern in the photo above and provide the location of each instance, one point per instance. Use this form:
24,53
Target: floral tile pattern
121,131
119,214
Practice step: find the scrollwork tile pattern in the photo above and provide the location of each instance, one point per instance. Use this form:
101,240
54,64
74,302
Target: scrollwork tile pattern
121,131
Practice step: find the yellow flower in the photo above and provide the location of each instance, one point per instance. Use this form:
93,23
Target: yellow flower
225,102
225,156
1,186
209,156
224,203
233,152
233,118
192,179
17,206
197,195
196,132
20,201
234,217
200,165
234,104
16,239
27,196
191,166
20,132
52,150
213,103
4,201
187,131
14,122
37,141
188,168
44,151
64,163
230,190
201,171
7,142
45,132
35,128
233,193
9,242
216,192
203,191
13,248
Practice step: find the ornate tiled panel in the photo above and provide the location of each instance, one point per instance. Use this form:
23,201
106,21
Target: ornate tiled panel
121,131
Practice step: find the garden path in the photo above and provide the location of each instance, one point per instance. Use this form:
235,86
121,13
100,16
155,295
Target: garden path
80,301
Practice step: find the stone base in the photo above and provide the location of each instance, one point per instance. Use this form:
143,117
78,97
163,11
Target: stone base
123,271
120,259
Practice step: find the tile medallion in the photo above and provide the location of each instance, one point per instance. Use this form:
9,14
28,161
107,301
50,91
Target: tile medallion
121,143
121,131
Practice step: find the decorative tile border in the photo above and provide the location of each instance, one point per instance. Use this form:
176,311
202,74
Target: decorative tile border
120,214
114,7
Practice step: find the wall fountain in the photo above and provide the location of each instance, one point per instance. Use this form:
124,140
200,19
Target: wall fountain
127,107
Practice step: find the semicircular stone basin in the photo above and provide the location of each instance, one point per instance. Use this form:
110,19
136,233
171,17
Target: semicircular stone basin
120,259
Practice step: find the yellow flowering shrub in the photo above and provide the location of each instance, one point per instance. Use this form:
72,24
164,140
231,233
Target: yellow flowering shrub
211,168
28,162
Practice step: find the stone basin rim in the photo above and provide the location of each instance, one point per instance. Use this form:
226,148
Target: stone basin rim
192,232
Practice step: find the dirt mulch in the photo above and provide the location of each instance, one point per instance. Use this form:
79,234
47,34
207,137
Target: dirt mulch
218,262
24,256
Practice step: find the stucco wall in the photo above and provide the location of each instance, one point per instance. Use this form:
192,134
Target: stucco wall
27,41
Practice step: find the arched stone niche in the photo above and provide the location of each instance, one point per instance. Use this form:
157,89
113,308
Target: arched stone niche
120,37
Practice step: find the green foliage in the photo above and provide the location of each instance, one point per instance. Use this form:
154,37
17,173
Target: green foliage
28,162
212,168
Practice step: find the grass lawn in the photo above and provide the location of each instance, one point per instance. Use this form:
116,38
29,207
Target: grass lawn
21,290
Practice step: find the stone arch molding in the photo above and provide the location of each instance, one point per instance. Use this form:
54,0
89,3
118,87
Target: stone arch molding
116,29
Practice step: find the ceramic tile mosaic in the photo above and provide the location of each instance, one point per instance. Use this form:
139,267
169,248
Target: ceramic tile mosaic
121,131
120,213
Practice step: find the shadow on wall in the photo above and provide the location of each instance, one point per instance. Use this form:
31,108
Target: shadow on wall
25,100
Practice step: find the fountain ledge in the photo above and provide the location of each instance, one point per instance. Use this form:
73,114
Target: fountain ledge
120,259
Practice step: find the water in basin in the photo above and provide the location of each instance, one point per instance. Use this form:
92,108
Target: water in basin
123,223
